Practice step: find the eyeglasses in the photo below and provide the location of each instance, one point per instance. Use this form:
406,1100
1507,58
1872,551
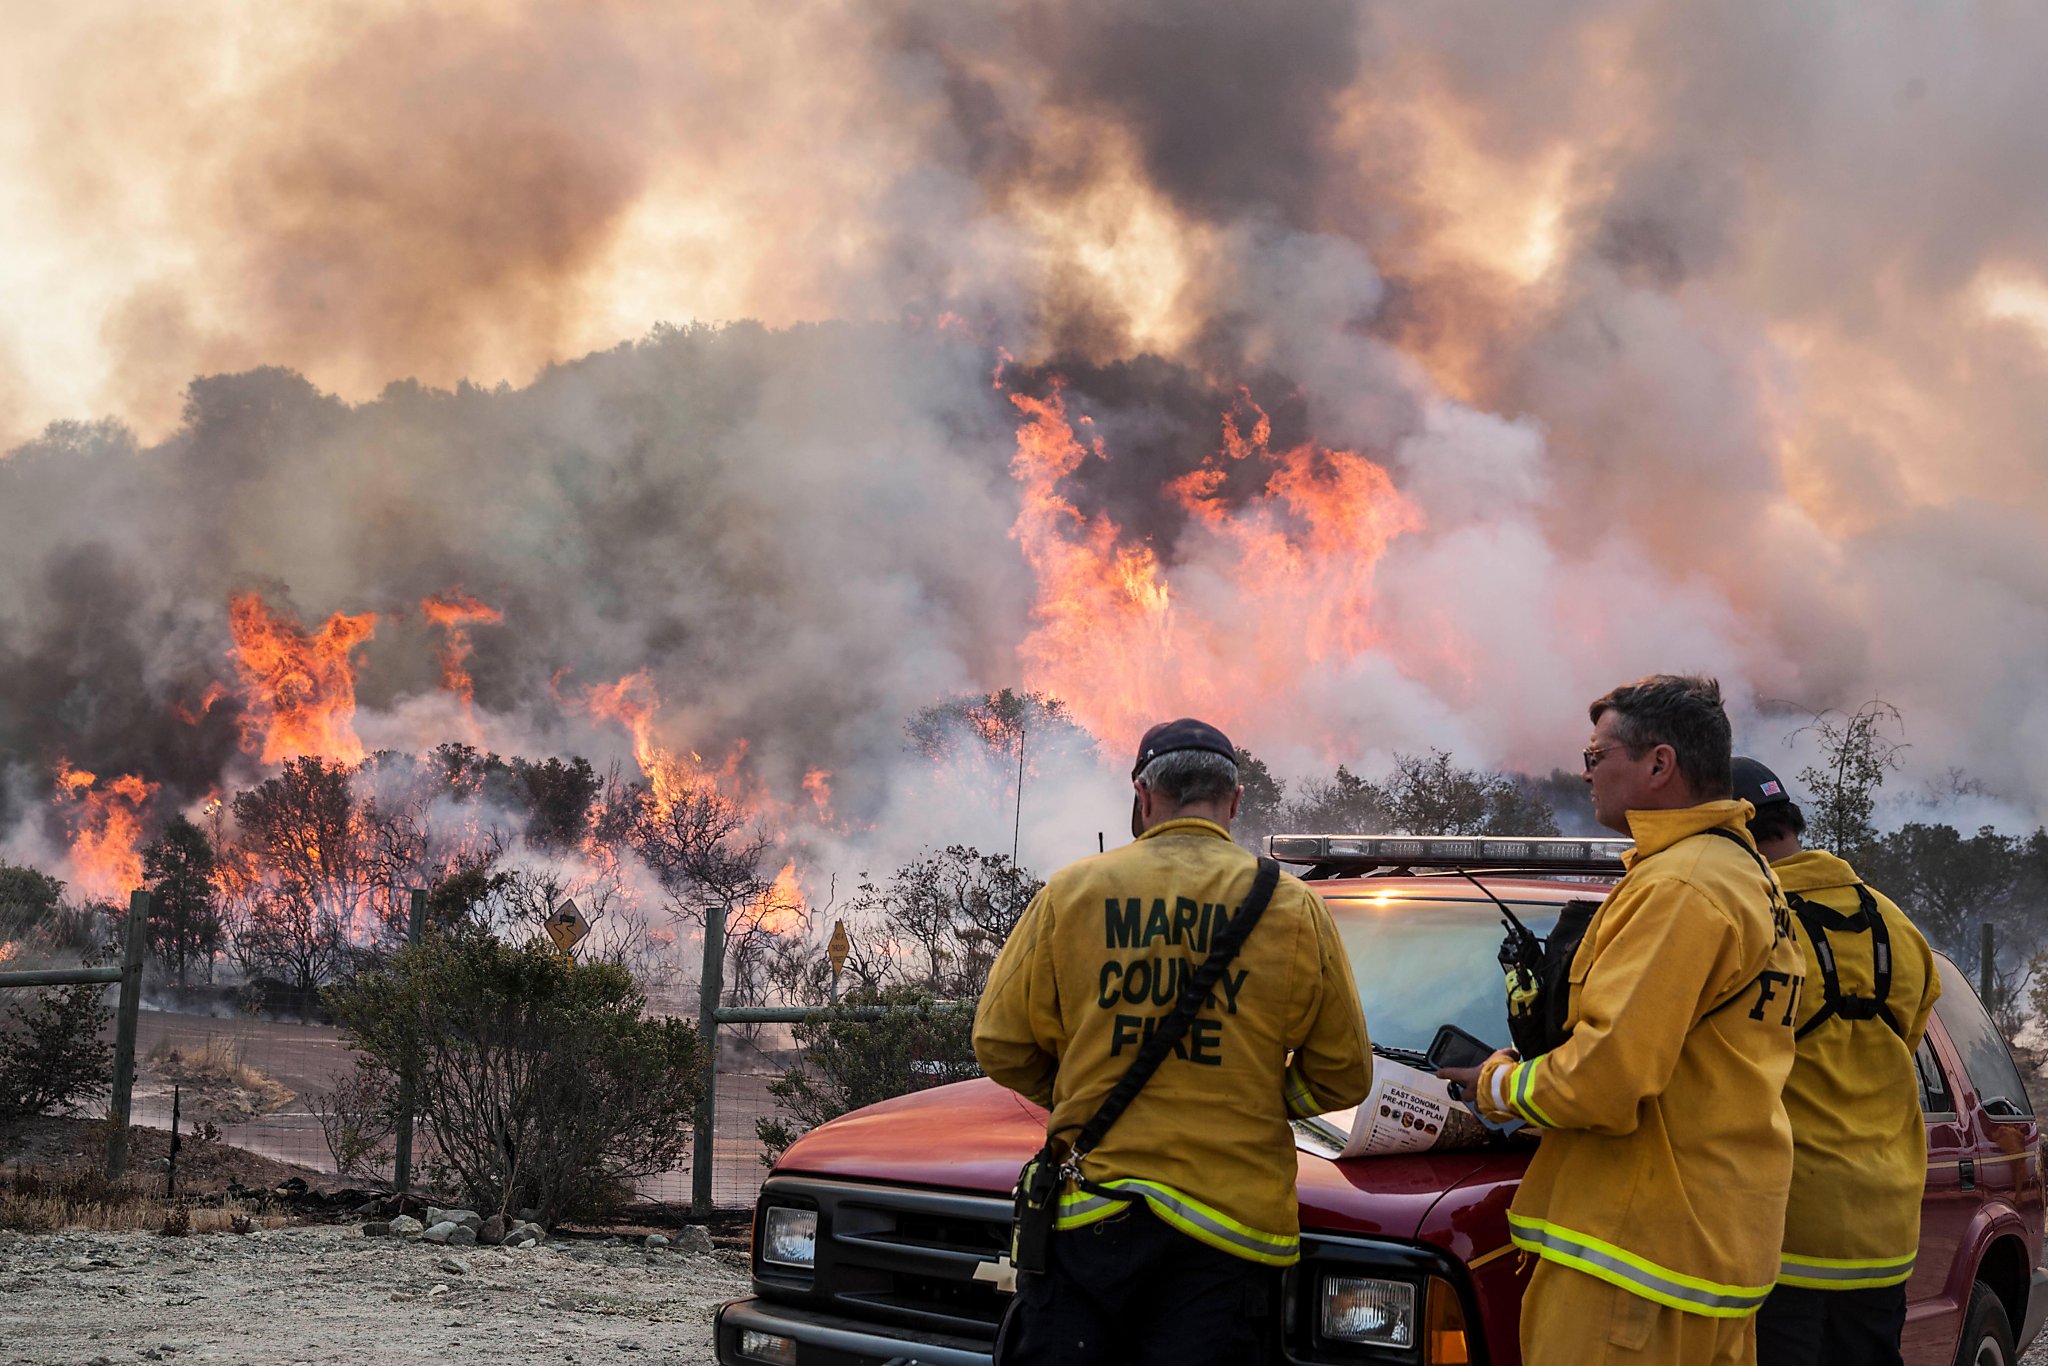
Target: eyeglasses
1592,755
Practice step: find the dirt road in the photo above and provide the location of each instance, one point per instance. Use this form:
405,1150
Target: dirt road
326,1294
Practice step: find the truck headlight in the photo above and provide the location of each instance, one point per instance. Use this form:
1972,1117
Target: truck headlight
1371,1312
789,1237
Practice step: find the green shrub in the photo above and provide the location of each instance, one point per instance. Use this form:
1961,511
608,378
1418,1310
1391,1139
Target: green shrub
849,1063
540,1083
54,1050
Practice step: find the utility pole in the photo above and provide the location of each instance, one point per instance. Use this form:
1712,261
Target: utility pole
1017,828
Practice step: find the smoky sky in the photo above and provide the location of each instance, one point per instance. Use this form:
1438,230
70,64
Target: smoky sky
1698,339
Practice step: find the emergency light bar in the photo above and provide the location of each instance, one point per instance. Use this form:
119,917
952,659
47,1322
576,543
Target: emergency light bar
1363,853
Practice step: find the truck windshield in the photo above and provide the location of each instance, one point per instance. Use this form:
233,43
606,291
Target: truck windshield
1422,962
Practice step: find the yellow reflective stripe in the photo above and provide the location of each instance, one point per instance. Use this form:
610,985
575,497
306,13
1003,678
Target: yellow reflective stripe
1210,1226
1637,1275
1078,1209
1300,1103
1520,1082
1843,1273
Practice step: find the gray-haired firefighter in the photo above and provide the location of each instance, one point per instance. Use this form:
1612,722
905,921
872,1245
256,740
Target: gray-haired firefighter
1859,1163
1170,1238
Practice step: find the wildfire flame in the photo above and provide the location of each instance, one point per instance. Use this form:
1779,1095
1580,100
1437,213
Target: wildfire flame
1123,649
818,783
455,612
301,688
192,716
106,830
782,905
632,702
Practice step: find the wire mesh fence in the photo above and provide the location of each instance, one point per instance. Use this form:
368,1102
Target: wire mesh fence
262,1084
255,1082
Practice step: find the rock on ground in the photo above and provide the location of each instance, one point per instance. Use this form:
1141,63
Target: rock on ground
330,1295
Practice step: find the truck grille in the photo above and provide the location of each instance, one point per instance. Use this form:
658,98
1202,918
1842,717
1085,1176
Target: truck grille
898,1255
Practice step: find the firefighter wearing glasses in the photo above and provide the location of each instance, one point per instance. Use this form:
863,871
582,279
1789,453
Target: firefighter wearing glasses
1859,1163
1656,1200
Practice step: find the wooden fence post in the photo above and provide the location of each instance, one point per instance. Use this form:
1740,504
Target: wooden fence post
704,1133
401,1142
119,1107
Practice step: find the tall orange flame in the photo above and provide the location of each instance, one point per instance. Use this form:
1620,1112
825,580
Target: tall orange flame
1104,612
455,612
301,689
106,830
1284,576
632,702
782,906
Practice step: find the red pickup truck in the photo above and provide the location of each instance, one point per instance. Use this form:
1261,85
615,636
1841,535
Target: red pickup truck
879,1239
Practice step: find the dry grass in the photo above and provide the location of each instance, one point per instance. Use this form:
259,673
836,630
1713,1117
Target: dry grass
34,1201
216,1067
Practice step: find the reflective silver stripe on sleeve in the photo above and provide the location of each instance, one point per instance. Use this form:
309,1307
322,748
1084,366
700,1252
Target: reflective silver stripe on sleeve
1500,1093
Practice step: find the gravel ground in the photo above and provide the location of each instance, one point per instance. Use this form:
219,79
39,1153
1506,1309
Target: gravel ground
328,1294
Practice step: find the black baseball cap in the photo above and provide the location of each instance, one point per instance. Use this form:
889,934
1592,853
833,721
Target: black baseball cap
1756,784
1170,737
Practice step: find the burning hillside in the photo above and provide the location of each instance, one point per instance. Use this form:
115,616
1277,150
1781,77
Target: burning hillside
1373,381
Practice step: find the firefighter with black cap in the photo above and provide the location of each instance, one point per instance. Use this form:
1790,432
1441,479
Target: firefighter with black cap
1859,1164
1171,1236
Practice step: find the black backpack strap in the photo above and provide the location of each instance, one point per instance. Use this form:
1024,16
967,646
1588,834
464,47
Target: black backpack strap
1174,1027
1770,880
1817,920
1814,919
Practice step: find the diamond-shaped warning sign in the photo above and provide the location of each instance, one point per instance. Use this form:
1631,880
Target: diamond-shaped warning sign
567,926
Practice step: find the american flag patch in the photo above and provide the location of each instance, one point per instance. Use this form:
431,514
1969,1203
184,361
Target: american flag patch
1772,790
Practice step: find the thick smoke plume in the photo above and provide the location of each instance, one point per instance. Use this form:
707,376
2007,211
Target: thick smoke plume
1413,374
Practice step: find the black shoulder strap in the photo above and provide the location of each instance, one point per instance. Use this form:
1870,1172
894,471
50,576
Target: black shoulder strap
1723,832
1175,1026
1817,920
1770,879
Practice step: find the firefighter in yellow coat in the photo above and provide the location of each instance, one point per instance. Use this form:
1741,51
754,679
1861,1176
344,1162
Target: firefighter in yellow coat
1859,1144
1656,1200
1170,1249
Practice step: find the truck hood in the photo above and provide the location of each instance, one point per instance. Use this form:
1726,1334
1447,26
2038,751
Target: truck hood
974,1135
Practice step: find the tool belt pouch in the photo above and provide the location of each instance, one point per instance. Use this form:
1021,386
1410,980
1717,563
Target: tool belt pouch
1037,1209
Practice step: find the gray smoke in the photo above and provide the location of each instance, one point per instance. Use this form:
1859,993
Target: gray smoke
1682,332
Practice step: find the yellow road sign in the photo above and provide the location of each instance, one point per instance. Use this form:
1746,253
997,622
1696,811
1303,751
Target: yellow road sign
567,927
837,949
